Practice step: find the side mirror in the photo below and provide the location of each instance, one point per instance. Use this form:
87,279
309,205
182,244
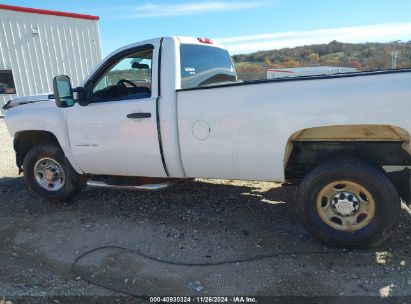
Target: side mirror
63,93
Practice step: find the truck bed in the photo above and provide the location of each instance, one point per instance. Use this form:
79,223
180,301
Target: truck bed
251,122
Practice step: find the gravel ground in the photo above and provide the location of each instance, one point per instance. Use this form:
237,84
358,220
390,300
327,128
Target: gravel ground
200,221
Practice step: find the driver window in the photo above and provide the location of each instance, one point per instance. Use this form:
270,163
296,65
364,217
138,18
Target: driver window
128,78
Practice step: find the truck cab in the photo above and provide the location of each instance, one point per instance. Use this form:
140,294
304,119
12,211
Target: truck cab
123,120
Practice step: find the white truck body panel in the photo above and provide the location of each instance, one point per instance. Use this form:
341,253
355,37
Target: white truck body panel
251,124
170,80
106,142
42,116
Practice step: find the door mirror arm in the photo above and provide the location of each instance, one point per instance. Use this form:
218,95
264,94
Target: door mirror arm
81,96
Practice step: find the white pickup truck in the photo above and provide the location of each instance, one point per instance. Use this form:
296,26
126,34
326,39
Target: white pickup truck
172,108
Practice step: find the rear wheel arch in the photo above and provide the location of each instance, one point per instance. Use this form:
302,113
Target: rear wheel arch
377,145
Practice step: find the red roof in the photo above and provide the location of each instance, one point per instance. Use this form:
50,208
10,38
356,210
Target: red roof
46,12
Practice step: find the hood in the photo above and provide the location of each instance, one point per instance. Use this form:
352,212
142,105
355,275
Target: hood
27,99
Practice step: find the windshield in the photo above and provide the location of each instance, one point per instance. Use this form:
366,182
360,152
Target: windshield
205,65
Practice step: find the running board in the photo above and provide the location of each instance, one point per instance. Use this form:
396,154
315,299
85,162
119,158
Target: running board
147,187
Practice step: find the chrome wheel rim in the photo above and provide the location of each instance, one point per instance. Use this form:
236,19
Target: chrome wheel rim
345,205
49,174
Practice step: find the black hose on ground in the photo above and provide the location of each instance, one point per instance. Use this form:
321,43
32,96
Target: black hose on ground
218,263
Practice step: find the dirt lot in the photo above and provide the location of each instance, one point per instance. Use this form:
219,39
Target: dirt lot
201,221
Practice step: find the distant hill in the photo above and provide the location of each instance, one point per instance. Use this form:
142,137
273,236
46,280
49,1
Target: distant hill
363,56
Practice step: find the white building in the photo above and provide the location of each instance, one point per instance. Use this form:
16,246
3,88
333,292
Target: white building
37,44
307,71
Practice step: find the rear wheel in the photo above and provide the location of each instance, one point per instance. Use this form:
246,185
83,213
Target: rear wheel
348,203
49,174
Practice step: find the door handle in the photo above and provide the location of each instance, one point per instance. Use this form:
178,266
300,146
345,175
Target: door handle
139,115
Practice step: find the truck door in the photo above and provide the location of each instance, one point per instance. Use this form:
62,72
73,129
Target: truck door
116,132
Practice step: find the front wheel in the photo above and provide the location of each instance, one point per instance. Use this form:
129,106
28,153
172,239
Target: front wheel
49,175
348,203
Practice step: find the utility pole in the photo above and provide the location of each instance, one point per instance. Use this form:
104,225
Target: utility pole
394,54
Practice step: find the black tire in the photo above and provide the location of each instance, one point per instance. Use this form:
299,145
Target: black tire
72,181
387,203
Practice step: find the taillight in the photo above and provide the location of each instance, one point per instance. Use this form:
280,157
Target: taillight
205,40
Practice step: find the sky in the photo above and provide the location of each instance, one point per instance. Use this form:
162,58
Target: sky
243,26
